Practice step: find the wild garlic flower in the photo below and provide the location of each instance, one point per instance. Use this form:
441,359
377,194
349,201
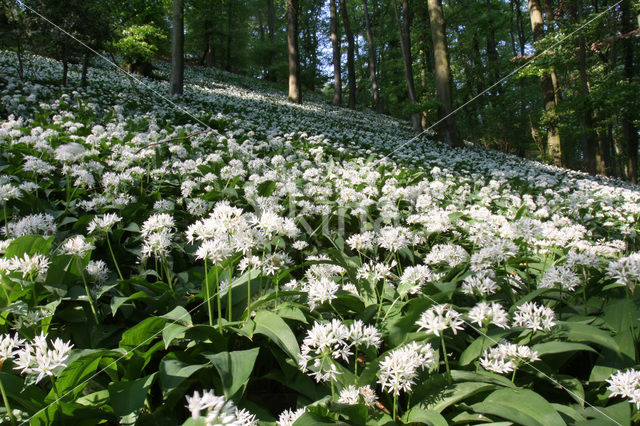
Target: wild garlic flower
8,346
9,192
364,335
451,254
35,224
394,238
485,314
104,223
399,369
506,357
319,291
438,318
77,246
215,251
414,277
361,242
627,385
97,270
560,276
37,357
480,284
375,271
289,417
626,270
33,267
323,343
216,410
158,223
533,316
156,244
352,395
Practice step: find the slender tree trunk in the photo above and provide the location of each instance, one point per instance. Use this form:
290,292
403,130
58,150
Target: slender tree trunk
492,51
628,127
448,129
586,122
351,68
335,46
295,90
372,59
85,69
65,71
271,30
229,37
177,49
553,147
405,47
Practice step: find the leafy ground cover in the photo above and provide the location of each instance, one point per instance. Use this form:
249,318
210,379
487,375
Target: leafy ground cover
228,258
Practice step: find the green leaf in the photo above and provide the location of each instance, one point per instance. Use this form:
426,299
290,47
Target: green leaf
171,331
143,333
521,406
587,333
475,349
73,377
439,399
118,301
557,347
129,397
234,368
173,372
420,415
178,315
274,327
28,244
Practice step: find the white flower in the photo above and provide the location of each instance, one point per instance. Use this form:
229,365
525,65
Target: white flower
216,410
484,314
439,318
77,246
560,276
37,357
289,417
627,385
451,254
506,357
399,369
352,395
320,290
361,242
394,238
626,270
156,244
158,223
104,223
33,267
534,316
480,284
97,270
214,251
364,335
8,346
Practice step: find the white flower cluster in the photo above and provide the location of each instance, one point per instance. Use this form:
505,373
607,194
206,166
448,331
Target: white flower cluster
485,313
626,270
216,410
289,417
352,395
399,369
438,318
627,385
35,357
506,357
32,267
333,340
77,246
157,231
560,276
533,316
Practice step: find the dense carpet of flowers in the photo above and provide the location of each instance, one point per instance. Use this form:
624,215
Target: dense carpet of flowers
229,258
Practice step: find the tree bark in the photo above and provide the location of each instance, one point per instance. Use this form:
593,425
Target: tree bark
335,46
85,69
553,148
295,90
229,37
448,130
405,47
271,31
586,122
351,68
629,129
20,62
372,59
177,49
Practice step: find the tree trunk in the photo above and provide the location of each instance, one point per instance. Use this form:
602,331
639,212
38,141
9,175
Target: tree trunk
229,37
405,47
335,46
177,49
20,62
586,122
351,68
492,51
295,90
553,147
628,128
85,69
372,59
65,71
447,126
271,31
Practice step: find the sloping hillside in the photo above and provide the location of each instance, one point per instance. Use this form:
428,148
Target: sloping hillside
297,257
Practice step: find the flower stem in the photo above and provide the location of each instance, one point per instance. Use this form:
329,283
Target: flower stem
395,407
444,354
513,376
229,298
113,257
6,219
6,404
248,292
207,292
219,303
86,288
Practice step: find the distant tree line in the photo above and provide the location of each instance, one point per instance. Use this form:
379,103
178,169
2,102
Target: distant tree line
576,105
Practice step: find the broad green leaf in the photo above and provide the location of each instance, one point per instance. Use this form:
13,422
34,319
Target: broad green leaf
428,417
129,397
274,327
73,378
557,347
28,244
521,406
143,333
475,349
173,372
439,399
178,315
171,331
234,368
587,333
28,397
